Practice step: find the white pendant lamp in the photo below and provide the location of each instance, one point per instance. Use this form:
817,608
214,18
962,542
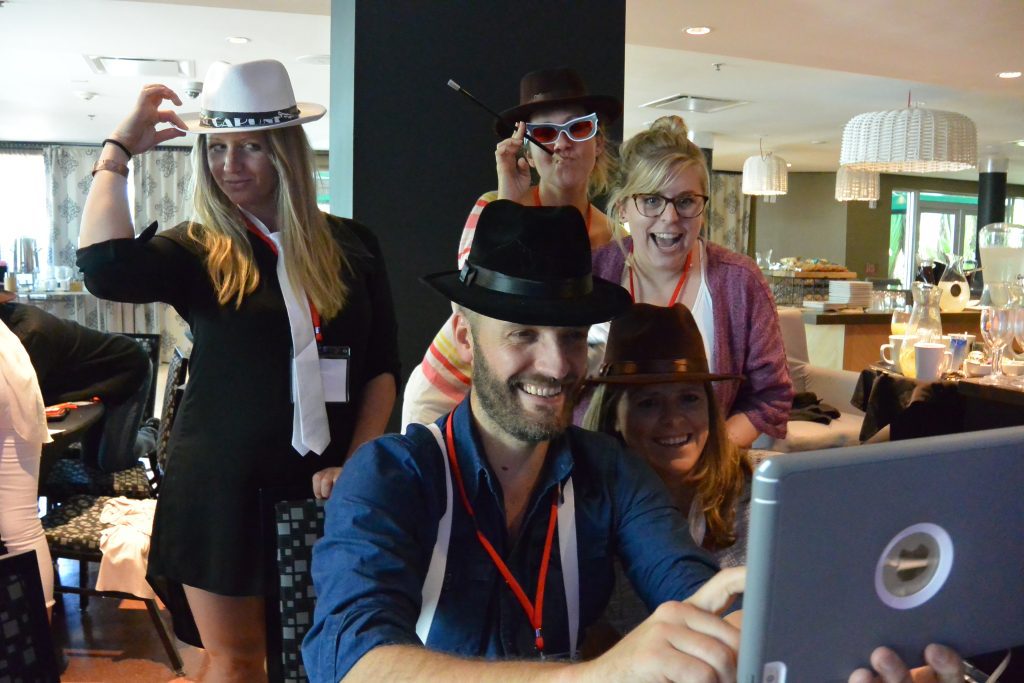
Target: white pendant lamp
914,140
853,184
765,175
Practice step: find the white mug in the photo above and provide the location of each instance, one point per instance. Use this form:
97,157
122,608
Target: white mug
894,346
931,359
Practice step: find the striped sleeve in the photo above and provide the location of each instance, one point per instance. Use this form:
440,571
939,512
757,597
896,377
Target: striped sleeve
466,241
437,384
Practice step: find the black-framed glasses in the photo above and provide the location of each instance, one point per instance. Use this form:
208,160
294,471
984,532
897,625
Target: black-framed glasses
578,130
687,205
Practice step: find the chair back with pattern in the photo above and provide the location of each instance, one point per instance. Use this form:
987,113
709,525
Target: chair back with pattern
291,526
151,343
174,390
27,653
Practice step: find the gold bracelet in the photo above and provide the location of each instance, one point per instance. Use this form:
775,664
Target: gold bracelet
110,165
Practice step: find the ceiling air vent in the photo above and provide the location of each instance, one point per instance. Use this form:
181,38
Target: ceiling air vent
138,66
694,103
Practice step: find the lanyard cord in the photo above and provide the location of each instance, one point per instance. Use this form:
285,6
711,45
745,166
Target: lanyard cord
534,612
679,285
314,314
590,207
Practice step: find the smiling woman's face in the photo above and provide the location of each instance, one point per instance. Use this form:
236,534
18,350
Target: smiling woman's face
666,424
662,243
241,166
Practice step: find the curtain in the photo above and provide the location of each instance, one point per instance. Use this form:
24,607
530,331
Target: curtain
728,221
162,178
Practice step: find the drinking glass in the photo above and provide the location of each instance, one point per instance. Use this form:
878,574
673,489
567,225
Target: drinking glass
900,318
997,330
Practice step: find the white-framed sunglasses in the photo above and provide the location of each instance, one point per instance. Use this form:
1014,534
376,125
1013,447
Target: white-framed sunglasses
578,130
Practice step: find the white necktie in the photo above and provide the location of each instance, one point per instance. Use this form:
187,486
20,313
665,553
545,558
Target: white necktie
310,431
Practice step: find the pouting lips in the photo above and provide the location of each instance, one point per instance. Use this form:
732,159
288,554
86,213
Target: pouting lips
674,441
666,239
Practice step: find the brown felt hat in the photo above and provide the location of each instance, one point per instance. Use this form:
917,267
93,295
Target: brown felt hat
654,344
561,87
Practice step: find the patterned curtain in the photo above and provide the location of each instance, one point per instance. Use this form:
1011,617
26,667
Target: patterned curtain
162,179
69,177
728,221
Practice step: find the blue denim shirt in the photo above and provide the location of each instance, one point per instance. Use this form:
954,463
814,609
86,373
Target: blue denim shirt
381,527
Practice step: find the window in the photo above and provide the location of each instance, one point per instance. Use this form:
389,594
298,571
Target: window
23,198
928,226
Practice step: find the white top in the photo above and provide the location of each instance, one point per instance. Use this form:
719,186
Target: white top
703,311
21,401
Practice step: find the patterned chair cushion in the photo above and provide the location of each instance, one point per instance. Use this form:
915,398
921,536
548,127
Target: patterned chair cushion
70,477
299,525
75,526
26,648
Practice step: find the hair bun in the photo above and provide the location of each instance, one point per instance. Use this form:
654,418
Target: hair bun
673,125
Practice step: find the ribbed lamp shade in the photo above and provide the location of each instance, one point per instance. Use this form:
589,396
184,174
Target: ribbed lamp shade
765,175
856,185
911,140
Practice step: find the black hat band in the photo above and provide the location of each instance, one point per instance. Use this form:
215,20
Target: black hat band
243,119
567,288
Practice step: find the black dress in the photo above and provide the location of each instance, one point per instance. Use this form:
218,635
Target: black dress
233,433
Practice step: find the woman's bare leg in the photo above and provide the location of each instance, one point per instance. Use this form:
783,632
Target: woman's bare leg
232,629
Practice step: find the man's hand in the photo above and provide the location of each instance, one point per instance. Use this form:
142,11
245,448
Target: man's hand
944,666
681,641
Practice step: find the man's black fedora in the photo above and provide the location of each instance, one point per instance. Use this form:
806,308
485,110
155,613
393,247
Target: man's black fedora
531,265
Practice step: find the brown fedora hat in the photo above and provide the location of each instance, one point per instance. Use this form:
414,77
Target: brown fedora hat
654,344
560,87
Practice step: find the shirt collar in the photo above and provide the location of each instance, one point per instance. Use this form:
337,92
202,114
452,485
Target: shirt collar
470,454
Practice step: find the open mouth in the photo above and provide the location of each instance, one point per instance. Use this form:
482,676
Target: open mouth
674,441
666,240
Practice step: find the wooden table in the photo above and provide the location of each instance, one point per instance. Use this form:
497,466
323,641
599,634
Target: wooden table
864,333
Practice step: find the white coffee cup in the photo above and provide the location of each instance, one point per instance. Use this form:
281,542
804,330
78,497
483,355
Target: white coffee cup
894,347
931,359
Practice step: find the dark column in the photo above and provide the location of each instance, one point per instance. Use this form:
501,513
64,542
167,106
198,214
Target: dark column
421,153
991,203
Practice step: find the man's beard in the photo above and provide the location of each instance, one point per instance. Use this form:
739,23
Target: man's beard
500,400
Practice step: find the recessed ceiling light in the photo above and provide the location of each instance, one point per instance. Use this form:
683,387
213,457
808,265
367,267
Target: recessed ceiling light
789,165
1020,143
238,40
698,30
818,142
314,59
1009,74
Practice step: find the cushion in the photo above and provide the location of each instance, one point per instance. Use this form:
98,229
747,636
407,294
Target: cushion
75,525
70,477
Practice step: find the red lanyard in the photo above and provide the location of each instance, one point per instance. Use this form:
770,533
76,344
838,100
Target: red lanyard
313,313
590,207
535,611
679,285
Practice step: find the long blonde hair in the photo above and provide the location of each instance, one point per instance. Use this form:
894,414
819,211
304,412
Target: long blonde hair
649,159
311,253
719,477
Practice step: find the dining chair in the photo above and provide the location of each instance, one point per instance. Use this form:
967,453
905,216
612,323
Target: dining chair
291,522
73,476
27,653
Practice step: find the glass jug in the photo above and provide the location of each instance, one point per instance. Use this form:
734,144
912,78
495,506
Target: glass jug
953,283
925,324
1001,246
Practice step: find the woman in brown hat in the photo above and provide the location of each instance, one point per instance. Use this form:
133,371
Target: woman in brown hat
556,108
654,393
662,194
295,357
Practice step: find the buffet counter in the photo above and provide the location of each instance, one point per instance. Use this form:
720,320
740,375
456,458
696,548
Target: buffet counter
850,340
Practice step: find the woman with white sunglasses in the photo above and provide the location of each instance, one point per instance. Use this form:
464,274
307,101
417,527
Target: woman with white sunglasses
572,163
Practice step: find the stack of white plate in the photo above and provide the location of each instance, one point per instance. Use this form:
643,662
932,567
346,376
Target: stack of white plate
850,293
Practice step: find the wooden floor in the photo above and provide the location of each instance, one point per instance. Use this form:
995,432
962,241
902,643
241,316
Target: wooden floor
113,640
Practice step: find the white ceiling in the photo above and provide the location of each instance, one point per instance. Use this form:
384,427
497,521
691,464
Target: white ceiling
805,66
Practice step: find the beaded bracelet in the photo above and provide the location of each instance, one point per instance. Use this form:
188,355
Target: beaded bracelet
118,143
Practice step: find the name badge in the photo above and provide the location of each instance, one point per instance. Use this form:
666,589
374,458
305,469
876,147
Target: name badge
333,361
334,372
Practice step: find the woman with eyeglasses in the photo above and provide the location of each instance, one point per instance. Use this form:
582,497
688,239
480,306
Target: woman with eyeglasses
661,195
572,163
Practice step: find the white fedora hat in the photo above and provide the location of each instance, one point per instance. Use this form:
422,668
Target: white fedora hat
249,96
